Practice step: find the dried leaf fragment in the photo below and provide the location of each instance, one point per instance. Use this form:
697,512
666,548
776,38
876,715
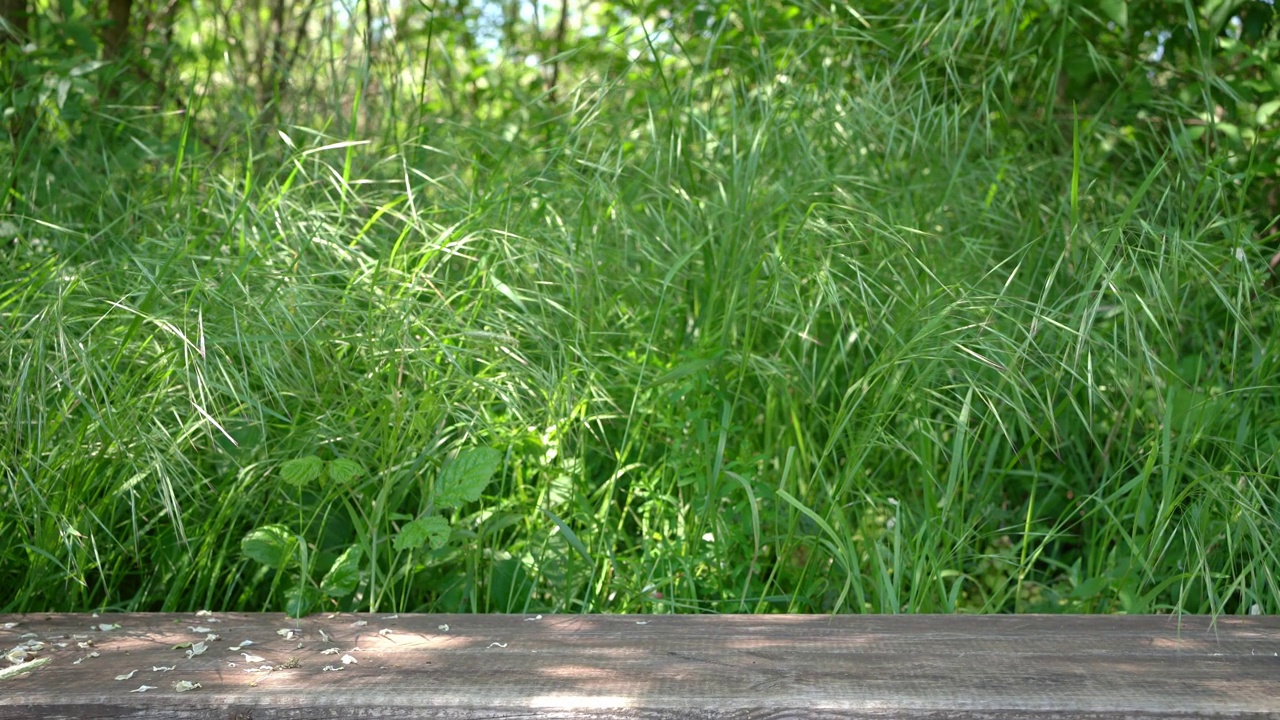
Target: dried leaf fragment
93,654
17,670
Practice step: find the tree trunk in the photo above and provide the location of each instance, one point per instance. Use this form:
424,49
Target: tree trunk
165,23
271,71
561,28
15,27
115,39
16,17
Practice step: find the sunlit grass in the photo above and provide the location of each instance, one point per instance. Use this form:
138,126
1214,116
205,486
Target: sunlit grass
810,345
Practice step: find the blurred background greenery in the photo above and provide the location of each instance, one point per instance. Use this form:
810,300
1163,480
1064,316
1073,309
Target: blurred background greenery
639,307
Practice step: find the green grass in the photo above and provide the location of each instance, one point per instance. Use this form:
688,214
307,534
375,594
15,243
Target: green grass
743,345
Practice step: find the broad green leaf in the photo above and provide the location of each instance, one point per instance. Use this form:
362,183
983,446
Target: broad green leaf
509,583
433,529
466,476
300,471
1231,130
271,545
82,35
299,600
344,471
342,578
1117,11
1266,110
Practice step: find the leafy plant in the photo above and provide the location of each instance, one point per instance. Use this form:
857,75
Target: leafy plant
462,479
935,307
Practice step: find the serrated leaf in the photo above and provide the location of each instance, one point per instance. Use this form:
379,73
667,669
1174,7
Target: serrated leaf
271,545
344,575
433,529
466,476
344,471
300,471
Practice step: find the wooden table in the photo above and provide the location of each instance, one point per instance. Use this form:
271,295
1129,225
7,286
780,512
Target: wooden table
656,666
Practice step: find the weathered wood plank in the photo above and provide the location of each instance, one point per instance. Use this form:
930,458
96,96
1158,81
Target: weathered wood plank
663,666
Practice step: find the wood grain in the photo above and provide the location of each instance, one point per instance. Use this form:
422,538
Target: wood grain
659,666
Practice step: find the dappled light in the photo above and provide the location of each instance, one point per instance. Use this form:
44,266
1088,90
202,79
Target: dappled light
580,666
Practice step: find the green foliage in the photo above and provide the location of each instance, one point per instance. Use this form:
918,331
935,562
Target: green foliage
1184,77
299,600
300,471
431,529
305,470
466,475
343,471
271,545
935,307
344,576
462,479
48,93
